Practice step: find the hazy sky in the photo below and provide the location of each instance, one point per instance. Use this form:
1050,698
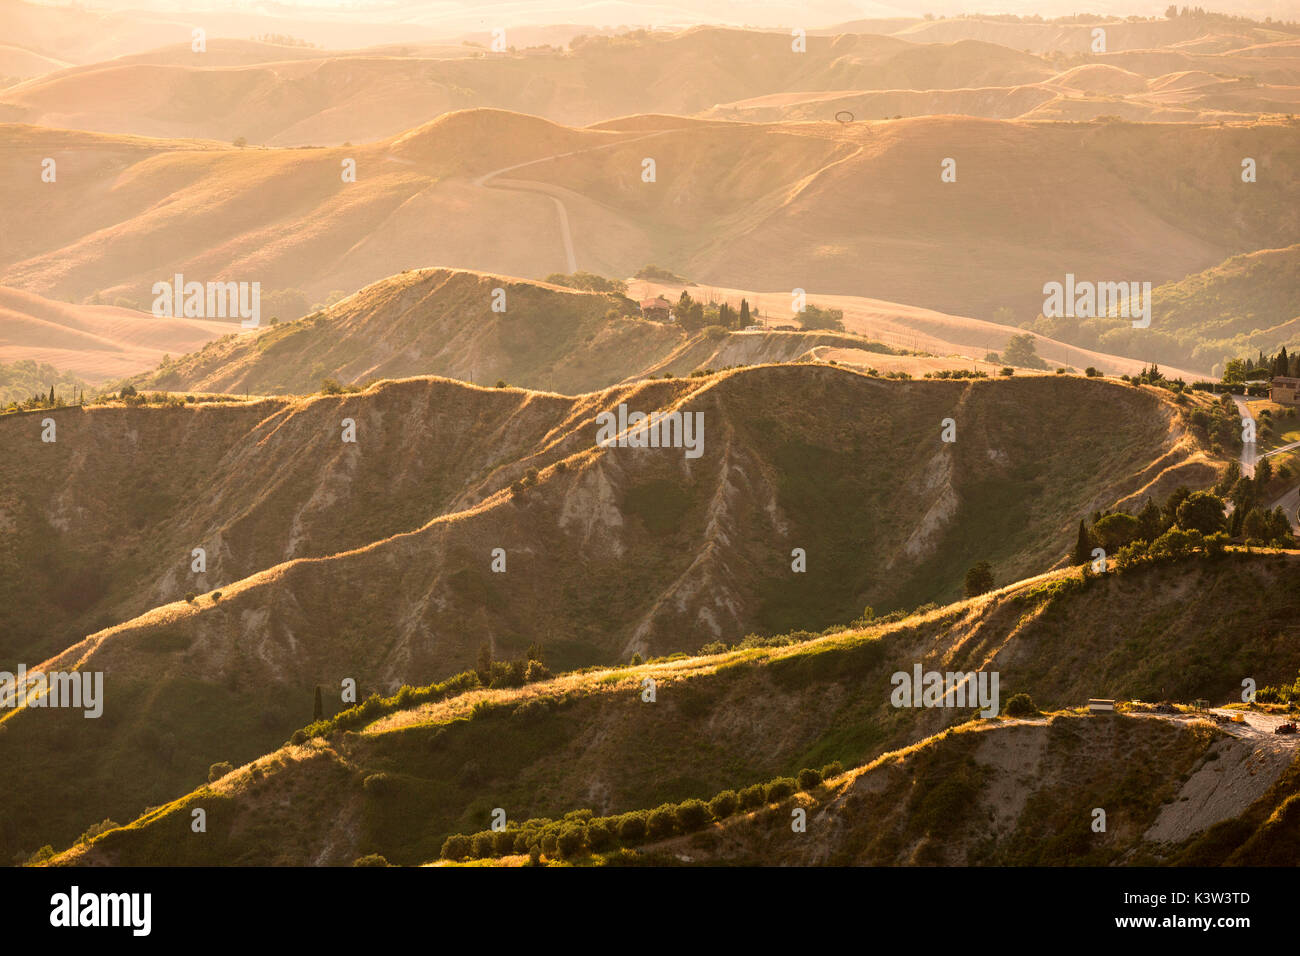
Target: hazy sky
456,15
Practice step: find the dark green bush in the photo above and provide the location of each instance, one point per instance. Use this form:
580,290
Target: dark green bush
456,847
503,842
691,815
1019,705
370,859
662,822
536,671
378,784
572,841
724,804
219,770
832,769
632,827
599,836
779,789
484,845
808,778
753,797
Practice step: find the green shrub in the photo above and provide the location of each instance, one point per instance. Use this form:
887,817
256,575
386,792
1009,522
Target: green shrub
753,797
808,778
219,770
41,855
632,827
662,822
1020,705
370,859
832,769
549,842
536,672
378,784
572,841
96,829
724,804
779,789
456,847
534,855
484,845
503,842
692,814
599,836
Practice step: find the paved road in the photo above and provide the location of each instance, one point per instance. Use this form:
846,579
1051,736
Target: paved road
1290,504
1290,501
1281,448
1248,450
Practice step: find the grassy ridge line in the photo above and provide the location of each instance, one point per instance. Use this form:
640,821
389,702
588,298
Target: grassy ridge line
726,721
251,656
441,322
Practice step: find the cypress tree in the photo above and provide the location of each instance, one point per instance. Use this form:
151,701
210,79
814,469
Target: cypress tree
1082,545
744,313
51,395
1151,518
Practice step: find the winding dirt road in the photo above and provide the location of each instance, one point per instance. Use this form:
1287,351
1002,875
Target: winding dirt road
552,192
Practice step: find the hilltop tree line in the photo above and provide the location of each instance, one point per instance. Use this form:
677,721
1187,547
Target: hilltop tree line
488,672
1187,522
693,315
1262,368
587,281
27,384
581,833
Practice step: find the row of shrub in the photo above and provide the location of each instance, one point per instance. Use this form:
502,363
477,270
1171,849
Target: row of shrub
868,618
1173,545
374,706
580,832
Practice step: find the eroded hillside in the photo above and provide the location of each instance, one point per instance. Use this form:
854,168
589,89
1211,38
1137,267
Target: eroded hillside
728,721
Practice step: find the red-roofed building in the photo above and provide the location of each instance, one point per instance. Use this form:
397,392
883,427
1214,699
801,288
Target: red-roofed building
658,308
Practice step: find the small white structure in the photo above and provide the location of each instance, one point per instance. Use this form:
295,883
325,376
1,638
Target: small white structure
1099,705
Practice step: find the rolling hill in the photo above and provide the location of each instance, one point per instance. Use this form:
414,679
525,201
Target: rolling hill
357,97
588,742
1244,305
758,206
372,560
441,322
95,342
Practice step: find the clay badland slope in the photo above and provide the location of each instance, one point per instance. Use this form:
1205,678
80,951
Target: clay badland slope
374,560
993,792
